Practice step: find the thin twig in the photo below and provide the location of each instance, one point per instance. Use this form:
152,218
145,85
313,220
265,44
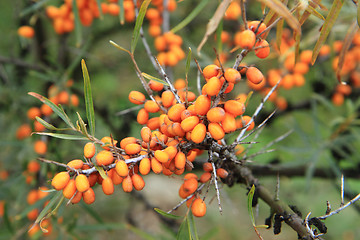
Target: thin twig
340,208
306,222
126,111
21,63
243,13
342,190
187,198
216,187
277,188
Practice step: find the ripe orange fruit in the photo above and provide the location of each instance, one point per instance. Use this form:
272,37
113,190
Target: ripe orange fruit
151,106
108,186
121,168
190,185
142,116
88,196
222,173
232,75
38,127
136,97
198,208
229,123
189,123
253,25
179,84
245,39
198,133
145,166
216,114
82,183
138,182
161,156
127,184
156,166
211,71
104,158
32,197
167,98
33,166
26,32
132,148
202,105
216,131
236,108
89,150
213,86
180,160
254,75
76,164
32,215
70,189
77,197
156,86
175,111
245,121
23,131
40,147
263,49
60,180
205,177
33,112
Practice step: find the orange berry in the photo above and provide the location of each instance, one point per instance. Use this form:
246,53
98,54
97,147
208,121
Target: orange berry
175,111
202,105
301,68
104,158
207,167
190,175
189,123
171,151
33,166
182,192
145,134
213,86
245,121
156,166
76,164
38,127
288,81
113,9
167,98
156,86
89,196
33,112
77,197
216,114
254,75
325,50
273,77
46,110
121,168
70,189
32,197
132,148
233,11
232,75
254,25
26,32
198,133
60,180
262,49
236,108
127,184
89,150
337,99
190,185
40,147
33,214
229,123
281,103
52,11
245,39
211,71
305,56
23,131
142,116
161,156
82,183
298,80
179,84
198,208
136,97
151,106
107,186
153,123
343,89
222,173
145,166
205,177
216,131
138,182
180,160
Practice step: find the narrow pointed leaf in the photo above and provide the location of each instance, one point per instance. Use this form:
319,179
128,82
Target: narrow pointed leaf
250,200
192,226
101,172
188,61
88,99
62,136
58,110
98,2
165,214
345,47
33,7
358,15
138,24
119,47
54,200
50,126
82,126
150,77
196,11
315,13
142,234
326,28
121,13
92,212
279,32
183,232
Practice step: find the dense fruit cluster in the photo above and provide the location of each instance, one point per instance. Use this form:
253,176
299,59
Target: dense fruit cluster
169,47
154,15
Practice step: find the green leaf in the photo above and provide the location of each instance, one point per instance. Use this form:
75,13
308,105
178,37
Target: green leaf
250,209
101,172
119,47
50,126
98,2
188,61
190,17
92,212
315,13
33,7
326,28
88,99
138,24
279,32
62,136
358,15
211,234
149,77
165,214
78,33
82,126
192,226
58,110
183,232
57,198
7,221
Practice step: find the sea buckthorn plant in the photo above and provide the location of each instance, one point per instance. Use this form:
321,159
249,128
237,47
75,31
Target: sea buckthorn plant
208,120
